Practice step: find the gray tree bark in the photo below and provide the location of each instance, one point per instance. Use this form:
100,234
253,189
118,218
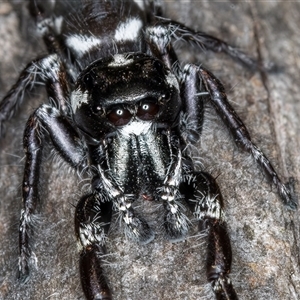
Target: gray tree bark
264,234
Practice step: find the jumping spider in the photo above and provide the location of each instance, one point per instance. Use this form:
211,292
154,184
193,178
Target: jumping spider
123,110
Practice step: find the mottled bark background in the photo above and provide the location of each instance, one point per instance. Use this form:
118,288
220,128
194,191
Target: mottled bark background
264,234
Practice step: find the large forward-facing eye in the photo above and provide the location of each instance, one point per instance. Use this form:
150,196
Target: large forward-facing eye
147,110
119,116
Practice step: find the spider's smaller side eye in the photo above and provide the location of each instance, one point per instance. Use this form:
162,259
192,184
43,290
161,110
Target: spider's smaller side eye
147,110
97,110
119,116
165,97
88,82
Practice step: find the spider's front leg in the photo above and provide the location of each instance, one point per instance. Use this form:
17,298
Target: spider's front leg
46,120
161,34
52,122
205,200
205,41
40,71
92,221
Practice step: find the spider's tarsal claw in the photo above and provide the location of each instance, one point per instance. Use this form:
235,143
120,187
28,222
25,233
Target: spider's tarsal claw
287,193
23,275
27,261
223,289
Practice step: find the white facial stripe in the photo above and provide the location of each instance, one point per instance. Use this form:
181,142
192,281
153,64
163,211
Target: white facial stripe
58,24
77,98
172,80
82,43
128,30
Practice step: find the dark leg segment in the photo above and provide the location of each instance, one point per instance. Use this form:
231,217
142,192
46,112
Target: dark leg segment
192,105
92,221
205,200
33,152
219,260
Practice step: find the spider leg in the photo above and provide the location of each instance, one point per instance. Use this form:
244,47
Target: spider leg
48,26
43,24
48,70
92,221
193,106
159,40
205,200
214,87
14,97
45,121
205,41
242,137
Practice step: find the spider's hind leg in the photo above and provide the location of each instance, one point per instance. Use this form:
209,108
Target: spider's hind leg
206,202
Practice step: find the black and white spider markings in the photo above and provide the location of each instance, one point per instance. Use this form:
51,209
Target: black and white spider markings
123,110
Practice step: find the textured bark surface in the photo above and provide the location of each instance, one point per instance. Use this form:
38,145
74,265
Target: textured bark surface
264,234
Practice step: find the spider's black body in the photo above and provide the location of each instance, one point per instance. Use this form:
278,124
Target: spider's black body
123,109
